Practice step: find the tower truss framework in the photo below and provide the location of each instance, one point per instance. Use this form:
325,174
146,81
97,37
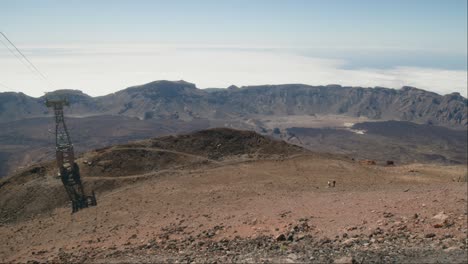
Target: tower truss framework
68,169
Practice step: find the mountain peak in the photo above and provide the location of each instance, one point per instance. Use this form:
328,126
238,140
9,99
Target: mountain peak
411,88
161,84
73,96
12,94
164,87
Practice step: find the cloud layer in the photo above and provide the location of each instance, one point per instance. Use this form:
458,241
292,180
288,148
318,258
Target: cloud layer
102,69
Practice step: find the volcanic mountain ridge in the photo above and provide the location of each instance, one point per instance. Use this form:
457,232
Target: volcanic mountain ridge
182,100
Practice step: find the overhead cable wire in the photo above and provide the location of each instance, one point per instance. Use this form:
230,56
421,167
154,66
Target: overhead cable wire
30,63
17,56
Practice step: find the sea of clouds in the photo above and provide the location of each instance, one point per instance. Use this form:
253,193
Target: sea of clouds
99,69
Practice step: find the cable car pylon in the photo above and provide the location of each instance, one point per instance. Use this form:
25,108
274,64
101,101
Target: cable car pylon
68,169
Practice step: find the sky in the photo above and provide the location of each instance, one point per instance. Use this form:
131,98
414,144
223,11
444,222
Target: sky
103,46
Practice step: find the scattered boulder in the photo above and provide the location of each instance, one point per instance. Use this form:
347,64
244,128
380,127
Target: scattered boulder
350,241
387,214
367,162
429,235
440,217
281,237
345,260
441,220
451,249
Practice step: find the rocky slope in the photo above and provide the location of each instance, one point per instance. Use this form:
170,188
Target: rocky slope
168,200
25,193
182,100
27,141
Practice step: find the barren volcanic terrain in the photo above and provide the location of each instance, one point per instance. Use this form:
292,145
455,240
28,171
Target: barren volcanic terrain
330,118
235,196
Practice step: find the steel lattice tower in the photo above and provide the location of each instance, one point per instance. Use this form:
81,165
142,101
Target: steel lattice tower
68,169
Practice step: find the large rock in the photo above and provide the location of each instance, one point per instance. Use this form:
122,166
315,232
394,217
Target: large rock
344,260
441,217
441,220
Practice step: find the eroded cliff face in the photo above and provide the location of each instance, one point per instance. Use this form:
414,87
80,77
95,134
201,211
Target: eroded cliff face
182,100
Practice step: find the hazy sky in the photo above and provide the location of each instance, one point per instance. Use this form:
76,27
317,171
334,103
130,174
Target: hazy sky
104,46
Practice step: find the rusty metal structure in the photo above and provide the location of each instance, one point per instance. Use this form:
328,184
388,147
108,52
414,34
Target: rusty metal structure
69,171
